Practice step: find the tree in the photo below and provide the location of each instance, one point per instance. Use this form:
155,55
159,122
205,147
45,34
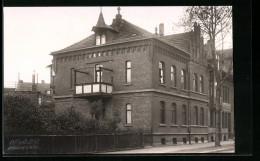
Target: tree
21,116
213,20
97,109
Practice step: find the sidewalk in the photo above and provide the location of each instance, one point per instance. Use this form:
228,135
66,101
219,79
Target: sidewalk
208,147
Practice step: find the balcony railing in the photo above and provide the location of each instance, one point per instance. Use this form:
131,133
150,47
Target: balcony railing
96,88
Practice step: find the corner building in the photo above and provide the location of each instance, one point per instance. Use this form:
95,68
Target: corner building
158,83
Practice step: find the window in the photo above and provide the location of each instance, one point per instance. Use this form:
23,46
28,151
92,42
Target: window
39,100
128,114
223,120
103,39
98,40
226,118
161,72
201,84
183,79
173,76
184,115
128,72
195,82
201,116
162,112
225,94
98,73
72,76
174,114
196,115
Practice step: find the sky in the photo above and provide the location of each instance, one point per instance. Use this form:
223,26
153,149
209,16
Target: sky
32,33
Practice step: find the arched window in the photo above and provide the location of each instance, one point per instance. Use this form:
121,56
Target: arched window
201,84
184,115
103,39
195,82
174,114
161,72
162,112
173,76
183,79
196,115
97,40
202,116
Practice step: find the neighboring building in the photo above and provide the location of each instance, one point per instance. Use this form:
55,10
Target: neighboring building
37,92
224,58
159,83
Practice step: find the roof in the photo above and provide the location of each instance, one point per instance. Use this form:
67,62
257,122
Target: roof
181,41
27,86
127,32
226,53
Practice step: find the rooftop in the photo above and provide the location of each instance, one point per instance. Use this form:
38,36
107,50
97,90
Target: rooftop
125,32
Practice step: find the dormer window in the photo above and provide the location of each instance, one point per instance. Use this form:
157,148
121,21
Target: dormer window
100,40
103,39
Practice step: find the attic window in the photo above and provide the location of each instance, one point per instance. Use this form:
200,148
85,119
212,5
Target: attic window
100,39
133,34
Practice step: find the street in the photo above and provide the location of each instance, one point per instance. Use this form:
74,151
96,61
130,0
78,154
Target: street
209,147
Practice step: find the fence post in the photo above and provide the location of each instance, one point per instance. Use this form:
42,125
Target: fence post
114,141
52,144
75,143
96,148
142,136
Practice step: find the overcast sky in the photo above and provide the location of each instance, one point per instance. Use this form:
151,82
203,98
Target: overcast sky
32,33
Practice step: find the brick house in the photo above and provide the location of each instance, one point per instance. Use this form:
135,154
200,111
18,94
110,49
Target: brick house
158,83
227,97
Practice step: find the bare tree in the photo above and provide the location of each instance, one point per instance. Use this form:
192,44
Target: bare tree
214,22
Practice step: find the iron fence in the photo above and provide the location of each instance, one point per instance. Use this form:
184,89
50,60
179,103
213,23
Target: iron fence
71,144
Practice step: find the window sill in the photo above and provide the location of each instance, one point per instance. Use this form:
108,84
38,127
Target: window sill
174,87
162,85
128,125
162,125
184,90
198,93
184,125
174,125
128,84
199,126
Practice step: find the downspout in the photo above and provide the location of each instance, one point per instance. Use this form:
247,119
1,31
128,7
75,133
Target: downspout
152,59
189,109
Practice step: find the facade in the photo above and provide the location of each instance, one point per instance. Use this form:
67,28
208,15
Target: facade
227,97
160,84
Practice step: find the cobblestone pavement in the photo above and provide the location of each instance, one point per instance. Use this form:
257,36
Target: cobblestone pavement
209,147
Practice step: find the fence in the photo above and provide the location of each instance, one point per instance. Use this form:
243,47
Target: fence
71,144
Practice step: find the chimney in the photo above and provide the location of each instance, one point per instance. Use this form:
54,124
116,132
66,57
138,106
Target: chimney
33,78
156,29
43,81
33,83
161,29
18,77
37,78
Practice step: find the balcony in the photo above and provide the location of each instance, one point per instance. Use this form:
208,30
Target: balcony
94,89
